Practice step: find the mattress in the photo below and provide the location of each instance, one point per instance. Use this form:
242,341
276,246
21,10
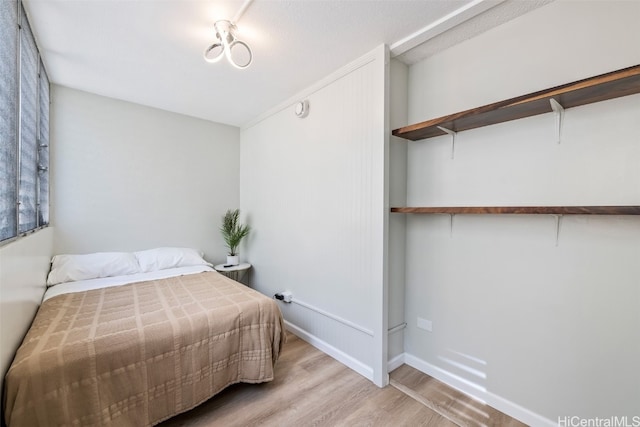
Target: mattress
139,353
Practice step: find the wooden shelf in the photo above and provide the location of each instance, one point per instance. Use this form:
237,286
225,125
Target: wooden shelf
525,210
600,88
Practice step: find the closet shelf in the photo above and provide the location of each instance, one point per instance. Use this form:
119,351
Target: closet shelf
595,89
526,210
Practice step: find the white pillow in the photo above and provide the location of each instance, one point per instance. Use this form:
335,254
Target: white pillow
163,258
70,268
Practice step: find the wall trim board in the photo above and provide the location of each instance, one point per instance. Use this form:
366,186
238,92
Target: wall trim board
498,402
381,338
323,346
331,78
396,362
442,25
334,317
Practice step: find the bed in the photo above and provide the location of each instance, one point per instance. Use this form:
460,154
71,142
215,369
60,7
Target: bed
139,348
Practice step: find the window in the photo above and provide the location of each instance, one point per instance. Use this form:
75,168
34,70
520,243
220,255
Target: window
24,127
8,119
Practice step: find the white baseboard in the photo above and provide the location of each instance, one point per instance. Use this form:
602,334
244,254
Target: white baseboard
340,356
395,363
452,380
501,404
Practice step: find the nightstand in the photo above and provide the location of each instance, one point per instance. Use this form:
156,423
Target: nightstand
235,272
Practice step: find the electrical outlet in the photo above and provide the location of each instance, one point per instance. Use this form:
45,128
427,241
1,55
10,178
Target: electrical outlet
284,296
425,324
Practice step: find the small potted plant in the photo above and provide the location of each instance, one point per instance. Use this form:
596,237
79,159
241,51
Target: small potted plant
233,233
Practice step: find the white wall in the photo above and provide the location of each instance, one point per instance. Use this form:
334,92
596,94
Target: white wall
397,197
24,265
313,190
128,177
538,330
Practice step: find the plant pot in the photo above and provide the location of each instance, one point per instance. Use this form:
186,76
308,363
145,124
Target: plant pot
233,260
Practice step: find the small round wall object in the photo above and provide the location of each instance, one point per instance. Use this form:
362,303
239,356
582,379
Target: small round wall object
302,109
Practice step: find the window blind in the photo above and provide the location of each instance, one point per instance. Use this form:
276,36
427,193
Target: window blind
8,118
43,149
27,189
24,126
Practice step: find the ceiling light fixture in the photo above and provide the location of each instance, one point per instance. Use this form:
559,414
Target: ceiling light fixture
237,52
227,44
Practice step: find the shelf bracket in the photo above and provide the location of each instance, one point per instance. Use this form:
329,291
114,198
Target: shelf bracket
453,138
558,111
558,224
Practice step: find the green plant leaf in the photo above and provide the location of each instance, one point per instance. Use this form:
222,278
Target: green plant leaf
232,232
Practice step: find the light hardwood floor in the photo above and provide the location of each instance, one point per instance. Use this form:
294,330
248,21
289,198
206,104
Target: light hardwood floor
312,389
450,403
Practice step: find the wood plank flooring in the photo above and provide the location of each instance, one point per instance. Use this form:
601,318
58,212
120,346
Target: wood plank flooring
312,389
450,403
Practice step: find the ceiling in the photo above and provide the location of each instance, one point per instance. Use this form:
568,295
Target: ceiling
151,51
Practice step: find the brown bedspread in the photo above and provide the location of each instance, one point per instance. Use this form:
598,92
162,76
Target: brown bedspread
137,354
